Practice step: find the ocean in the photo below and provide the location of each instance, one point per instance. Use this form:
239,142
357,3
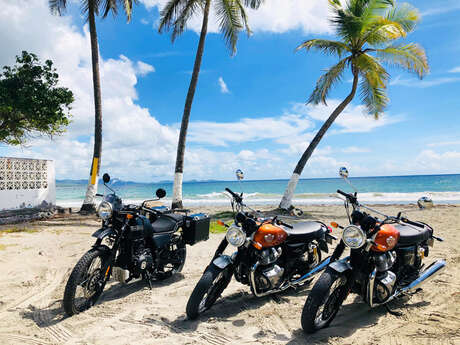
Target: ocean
442,189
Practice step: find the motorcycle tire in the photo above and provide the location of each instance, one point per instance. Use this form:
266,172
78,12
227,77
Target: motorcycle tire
91,284
208,290
329,292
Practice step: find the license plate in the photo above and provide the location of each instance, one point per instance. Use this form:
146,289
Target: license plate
431,242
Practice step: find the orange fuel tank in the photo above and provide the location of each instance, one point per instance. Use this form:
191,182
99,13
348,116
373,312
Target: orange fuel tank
269,235
386,238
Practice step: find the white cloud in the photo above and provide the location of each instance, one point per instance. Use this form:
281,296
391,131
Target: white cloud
354,118
355,149
144,21
127,129
223,86
435,162
445,143
276,16
413,82
447,7
143,68
455,70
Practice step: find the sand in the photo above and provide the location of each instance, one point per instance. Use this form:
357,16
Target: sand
35,265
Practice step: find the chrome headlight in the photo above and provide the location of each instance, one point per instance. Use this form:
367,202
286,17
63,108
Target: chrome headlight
104,210
353,237
235,236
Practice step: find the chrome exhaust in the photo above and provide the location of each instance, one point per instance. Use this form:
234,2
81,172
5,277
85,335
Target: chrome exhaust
427,274
424,276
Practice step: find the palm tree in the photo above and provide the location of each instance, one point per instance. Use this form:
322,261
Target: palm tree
368,30
91,9
175,15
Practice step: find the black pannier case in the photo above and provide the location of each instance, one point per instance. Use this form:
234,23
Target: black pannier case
196,228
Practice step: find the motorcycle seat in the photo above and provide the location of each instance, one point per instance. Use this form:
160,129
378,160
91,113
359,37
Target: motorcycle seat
167,223
409,234
305,231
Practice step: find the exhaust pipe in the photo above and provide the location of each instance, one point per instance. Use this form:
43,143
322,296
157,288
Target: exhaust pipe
427,274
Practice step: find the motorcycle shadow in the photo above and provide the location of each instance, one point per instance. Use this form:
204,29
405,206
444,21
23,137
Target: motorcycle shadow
54,313
351,317
236,303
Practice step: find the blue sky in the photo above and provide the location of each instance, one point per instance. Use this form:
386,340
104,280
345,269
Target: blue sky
249,110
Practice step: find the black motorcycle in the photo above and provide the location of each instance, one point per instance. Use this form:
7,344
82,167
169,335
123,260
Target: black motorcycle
133,242
385,262
270,256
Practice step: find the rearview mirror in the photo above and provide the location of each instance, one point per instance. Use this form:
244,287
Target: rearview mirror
239,174
106,178
343,172
160,193
425,203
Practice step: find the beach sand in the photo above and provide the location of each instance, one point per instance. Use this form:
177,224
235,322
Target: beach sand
35,264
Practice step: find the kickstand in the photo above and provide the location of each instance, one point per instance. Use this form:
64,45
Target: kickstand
149,279
392,312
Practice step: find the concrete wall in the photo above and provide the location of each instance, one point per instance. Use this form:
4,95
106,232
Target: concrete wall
26,183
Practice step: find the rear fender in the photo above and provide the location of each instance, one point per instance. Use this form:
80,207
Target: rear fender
341,266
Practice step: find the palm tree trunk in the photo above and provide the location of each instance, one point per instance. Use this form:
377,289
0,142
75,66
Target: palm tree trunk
286,201
88,204
179,169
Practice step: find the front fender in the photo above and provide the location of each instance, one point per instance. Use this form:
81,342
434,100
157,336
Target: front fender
341,266
222,261
103,232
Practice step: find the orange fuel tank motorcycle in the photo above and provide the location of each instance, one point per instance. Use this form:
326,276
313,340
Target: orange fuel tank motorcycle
270,256
385,262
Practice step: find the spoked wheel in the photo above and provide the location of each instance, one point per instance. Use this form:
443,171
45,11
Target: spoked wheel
208,290
324,301
86,282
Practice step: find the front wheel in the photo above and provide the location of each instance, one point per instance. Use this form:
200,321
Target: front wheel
324,301
208,290
86,282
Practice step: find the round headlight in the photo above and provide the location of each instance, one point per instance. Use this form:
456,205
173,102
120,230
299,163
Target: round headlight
353,237
235,236
104,211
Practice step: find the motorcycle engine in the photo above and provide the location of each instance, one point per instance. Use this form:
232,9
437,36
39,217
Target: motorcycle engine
142,260
270,275
384,285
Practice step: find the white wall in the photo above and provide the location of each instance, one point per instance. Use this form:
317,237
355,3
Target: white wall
26,183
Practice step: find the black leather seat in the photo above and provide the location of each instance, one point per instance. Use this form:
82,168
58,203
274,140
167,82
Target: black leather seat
409,234
167,223
305,231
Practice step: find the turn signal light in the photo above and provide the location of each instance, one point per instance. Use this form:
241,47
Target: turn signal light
334,225
220,222
129,216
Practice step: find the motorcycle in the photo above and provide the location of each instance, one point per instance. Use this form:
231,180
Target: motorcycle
270,256
133,242
385,261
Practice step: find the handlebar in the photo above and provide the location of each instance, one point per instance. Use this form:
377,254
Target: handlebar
235,196
349,196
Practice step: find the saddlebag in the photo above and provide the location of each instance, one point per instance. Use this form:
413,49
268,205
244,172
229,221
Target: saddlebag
196,228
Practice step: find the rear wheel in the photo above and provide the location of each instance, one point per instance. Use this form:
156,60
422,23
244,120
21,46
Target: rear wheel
86,282
324,301
208,290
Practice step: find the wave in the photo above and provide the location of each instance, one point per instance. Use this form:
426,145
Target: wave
216,198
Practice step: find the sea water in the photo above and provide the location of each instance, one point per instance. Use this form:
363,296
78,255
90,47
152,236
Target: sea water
442,189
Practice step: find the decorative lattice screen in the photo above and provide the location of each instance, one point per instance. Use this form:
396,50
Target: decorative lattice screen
16,173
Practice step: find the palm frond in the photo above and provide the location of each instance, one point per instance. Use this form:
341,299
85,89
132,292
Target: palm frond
244,17
128,7
405,15
376,74
410,56
382,30
326,81
109,6
169,13
373,97
325,46
180,24
229,17
254,4
58,6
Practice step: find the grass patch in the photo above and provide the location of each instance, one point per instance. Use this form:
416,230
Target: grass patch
222,215
16,230
215,228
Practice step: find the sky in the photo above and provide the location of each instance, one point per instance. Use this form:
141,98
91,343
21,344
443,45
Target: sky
250,109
